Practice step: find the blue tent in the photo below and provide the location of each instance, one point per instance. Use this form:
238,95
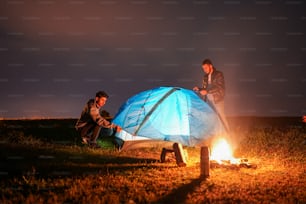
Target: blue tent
168,114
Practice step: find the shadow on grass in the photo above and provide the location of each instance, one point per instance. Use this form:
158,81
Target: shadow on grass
19,160
180,194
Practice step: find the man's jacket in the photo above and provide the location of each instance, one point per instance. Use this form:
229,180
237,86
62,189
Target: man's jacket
217,86
91,115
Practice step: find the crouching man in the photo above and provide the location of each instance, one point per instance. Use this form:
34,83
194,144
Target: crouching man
92,124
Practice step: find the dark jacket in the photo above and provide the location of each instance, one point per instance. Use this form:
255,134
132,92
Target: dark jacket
217,86
92,114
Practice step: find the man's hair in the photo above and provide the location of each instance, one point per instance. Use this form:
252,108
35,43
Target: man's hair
207,61
100,94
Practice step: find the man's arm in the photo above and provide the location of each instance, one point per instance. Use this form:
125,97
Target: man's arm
97,118
101,121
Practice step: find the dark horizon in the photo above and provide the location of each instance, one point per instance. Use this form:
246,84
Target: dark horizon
56,55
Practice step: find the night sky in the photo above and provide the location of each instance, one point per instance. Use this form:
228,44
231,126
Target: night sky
55,55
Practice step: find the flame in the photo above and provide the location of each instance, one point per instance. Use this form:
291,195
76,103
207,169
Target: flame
221,151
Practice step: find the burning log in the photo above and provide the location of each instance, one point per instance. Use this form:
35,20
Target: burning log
236,163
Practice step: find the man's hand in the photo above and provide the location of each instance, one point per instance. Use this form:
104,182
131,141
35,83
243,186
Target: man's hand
203,92
118,128
196,88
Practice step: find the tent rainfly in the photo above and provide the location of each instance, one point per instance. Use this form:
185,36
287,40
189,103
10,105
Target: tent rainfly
171,114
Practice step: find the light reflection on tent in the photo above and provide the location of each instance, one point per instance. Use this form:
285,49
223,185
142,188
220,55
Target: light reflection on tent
167,114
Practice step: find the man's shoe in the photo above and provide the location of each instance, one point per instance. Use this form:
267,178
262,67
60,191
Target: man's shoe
94,146
116,145
84,140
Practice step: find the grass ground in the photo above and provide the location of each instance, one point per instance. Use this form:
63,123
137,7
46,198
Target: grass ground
44,162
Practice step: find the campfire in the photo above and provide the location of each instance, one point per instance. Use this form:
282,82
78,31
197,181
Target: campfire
221,155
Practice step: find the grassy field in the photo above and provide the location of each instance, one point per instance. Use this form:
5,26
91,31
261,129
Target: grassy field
43,161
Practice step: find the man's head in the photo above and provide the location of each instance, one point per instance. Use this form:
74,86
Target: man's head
207,66
101,98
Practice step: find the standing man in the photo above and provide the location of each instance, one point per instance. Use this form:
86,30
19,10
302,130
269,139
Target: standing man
213,90
92,122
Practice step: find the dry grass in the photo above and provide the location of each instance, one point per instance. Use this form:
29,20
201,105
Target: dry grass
44,172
